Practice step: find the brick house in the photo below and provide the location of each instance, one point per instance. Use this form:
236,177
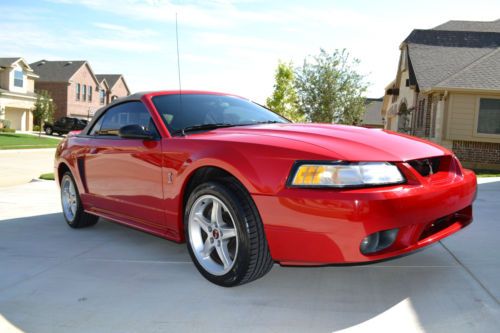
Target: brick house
114,86
74,87
17,96
447,90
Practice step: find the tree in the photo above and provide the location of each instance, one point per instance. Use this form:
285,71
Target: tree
44,108
284,99
329,89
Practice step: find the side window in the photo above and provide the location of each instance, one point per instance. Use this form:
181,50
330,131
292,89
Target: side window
121,115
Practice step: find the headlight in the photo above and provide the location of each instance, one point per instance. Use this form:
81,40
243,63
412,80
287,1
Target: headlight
342,174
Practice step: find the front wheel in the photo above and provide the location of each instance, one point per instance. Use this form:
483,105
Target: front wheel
224,234
48,130
72,207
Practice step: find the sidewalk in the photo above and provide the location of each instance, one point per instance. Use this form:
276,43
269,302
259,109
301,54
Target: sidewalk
20,166
43,135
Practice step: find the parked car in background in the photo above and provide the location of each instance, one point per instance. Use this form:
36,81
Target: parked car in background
64,125
245,188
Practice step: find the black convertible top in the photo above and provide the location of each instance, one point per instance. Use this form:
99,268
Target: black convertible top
134,97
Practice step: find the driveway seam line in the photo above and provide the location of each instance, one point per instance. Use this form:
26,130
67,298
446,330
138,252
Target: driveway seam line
470,273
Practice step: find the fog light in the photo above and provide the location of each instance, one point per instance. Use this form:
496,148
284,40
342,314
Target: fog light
378,241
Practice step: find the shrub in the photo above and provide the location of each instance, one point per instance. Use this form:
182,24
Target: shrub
36,128
7,130
5,123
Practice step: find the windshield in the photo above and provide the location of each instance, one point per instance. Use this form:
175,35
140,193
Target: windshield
202,109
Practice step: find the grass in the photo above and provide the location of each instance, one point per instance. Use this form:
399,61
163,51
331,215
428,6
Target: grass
47,176
25,141
487,173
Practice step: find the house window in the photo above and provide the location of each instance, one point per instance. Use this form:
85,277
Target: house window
78,91
420,113
84,92
18,79
489,116
90,93
102,96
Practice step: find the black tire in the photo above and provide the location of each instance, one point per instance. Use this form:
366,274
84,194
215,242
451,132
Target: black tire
80,218
253,259
48,130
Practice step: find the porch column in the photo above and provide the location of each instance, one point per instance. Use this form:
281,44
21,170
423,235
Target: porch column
438,127
2,110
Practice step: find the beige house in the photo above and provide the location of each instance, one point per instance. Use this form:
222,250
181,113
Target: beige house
372,117
17,96
447,89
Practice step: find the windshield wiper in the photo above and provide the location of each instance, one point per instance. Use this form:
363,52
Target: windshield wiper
201,127
262,122
269,122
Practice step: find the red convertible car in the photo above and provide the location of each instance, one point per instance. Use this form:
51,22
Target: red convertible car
245,188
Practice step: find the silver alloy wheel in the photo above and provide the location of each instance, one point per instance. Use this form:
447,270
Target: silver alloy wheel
213,235
68,198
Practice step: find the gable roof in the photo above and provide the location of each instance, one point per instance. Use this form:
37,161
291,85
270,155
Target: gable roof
102,80
483,73
433,64
59,71
492,26
8,62
442,58
474,39
112,79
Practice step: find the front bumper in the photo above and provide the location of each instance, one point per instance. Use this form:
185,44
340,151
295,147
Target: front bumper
317,226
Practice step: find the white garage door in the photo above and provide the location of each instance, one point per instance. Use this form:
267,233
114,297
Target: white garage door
17,118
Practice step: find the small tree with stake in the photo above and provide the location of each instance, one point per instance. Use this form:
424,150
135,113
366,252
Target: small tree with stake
330,90
44,109
284,98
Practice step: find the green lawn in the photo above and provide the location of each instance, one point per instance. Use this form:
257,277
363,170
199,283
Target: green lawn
487,173
25,141
47,176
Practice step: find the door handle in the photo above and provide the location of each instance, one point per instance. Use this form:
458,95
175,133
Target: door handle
93,150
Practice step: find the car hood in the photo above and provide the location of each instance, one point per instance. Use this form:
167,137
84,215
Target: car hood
340,141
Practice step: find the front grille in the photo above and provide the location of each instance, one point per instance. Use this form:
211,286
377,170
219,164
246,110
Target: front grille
426,166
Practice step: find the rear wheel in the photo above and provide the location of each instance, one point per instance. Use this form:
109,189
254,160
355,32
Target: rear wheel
48,130
225,235
72,207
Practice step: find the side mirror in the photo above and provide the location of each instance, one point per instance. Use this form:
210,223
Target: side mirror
134,132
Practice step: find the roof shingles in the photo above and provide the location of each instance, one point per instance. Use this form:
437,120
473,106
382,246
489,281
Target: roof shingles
111,79
56,71
467,57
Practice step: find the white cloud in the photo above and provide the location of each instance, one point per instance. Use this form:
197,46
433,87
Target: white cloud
121,45
126,31
234,45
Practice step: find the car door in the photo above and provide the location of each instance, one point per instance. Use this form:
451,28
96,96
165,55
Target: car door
60,124
124,176
68,126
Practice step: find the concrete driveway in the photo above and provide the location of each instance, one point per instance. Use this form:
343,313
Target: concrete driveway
110,278
19,166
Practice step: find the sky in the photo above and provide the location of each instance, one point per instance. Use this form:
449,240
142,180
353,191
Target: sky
225,45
